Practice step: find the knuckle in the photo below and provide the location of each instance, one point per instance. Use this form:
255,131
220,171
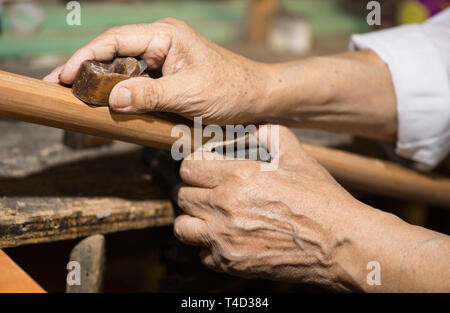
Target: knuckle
150,97
229,260
221,203
283,129
208,262
147,96
221,191
234,255
193,199
113,30
243,173
226,198
182,193
181,198
236,173
178,228
185,169
173,21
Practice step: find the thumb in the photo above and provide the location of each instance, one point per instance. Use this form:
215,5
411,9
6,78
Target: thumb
145,94
281,143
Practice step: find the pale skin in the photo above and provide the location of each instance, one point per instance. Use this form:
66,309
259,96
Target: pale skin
295,223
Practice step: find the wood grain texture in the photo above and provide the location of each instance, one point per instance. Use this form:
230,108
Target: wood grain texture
13,279
106,191
39,102
48,104
68,218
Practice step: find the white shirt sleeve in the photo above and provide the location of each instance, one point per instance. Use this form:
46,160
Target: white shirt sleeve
418,57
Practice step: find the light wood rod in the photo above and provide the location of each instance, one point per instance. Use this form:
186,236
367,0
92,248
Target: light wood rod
35,101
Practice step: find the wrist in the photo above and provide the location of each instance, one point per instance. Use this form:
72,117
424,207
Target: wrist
348,93
377,241
296,90
353,229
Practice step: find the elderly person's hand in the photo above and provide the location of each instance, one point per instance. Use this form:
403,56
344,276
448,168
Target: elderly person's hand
297,224
199,77
294,224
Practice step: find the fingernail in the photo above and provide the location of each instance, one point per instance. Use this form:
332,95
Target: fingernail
121,98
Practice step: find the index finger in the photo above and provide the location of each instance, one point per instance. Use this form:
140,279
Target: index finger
209,171
151,41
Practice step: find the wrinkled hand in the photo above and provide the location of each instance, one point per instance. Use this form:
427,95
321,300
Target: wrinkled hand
199,77
292,224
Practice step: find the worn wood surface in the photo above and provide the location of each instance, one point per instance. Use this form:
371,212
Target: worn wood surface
44,219
50,192
13,279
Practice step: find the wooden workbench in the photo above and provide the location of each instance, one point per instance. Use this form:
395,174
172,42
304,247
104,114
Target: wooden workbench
49,192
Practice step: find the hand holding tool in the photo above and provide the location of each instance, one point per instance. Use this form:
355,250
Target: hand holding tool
95,80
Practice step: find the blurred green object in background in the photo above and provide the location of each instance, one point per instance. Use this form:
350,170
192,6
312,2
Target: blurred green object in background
217,20
221,21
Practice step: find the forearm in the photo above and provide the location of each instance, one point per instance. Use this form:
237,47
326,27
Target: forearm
350,93
411,258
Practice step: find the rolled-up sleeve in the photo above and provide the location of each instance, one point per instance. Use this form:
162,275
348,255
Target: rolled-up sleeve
418,57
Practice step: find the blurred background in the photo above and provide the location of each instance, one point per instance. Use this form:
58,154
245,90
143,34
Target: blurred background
35,37
39,28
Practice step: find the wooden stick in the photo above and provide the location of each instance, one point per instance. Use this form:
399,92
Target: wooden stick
13,279
35,101
39,102
382,177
